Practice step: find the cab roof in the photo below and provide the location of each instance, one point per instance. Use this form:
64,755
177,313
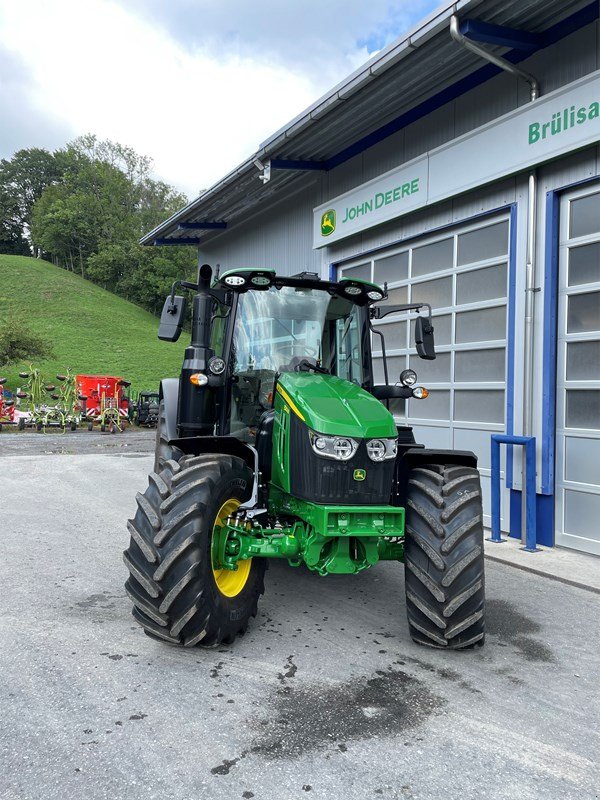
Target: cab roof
245,279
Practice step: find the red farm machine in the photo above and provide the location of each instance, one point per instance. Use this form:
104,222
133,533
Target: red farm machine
104,401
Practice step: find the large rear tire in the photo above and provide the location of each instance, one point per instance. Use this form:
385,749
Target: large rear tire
163,451
444,568
177,595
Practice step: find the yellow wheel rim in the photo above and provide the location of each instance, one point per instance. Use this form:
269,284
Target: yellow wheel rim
230,582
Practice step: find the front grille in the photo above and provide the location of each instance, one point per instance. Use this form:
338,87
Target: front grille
323,480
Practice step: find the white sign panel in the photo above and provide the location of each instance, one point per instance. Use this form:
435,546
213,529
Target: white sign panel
555,124
562,121
384,198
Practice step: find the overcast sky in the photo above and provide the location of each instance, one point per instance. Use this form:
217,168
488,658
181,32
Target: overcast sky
195,84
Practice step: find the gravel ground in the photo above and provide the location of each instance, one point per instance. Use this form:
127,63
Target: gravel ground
54,442
325,697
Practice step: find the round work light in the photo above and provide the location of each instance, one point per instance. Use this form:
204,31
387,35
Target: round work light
260,280
408,377
353,289
235,280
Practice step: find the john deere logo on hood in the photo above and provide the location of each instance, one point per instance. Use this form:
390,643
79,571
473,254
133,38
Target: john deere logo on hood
328,222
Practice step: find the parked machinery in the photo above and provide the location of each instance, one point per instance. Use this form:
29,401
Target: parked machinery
7,407
45,405
104,401
146,409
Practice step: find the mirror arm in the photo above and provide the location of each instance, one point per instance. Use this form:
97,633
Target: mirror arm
383,353
379,312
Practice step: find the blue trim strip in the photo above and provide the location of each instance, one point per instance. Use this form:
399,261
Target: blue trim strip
202,226
549,341
501,35
182,241
510,348
579,19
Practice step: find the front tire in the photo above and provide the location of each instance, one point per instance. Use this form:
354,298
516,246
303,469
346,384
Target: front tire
444,568
177,595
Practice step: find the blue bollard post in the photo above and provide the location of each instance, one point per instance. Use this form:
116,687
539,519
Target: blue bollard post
531,532
495,489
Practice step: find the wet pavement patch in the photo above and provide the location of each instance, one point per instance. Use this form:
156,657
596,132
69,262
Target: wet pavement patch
508,624
290,670
308,718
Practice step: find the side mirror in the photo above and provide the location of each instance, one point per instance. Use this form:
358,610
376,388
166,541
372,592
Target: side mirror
424,338
172,318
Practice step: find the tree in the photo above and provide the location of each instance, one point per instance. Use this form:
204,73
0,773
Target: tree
19,343
90,221
12,240
23,178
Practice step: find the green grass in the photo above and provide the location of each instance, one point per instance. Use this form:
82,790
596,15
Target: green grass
90,330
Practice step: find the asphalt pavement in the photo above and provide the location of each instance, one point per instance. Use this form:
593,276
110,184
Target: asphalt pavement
325,696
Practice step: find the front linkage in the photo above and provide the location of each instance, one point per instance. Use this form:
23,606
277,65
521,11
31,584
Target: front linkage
333,539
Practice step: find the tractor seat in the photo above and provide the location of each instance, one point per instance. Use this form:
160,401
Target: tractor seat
264,443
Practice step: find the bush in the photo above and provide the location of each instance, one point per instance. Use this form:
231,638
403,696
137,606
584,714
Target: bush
19,343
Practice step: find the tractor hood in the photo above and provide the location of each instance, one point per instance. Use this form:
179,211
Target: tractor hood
330,405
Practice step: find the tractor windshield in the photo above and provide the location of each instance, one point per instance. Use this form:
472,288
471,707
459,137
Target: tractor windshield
288,329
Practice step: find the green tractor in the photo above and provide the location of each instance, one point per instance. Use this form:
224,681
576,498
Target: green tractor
275,442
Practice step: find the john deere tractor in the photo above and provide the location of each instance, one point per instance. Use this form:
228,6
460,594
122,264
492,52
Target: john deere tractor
276,442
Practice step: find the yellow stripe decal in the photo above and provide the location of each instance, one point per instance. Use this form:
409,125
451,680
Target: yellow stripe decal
290,402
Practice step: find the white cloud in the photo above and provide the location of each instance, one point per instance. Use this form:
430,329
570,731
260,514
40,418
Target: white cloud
100,67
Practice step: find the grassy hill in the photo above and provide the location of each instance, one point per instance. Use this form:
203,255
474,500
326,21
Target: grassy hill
90,330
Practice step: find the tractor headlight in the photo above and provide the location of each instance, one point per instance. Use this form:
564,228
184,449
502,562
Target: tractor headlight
342,448
382,449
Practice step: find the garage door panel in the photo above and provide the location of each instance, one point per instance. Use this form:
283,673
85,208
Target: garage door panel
436,406
582,461
582,512
437,371
578,370
478,442
432,437
583,361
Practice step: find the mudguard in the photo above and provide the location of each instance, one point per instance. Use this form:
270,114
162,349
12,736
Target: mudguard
169,394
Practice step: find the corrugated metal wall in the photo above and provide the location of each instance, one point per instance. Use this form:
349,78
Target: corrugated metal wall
280,236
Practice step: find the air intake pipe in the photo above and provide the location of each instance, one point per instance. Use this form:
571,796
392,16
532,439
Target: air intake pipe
196,414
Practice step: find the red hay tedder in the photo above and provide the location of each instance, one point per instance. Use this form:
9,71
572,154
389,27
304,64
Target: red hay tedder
103,401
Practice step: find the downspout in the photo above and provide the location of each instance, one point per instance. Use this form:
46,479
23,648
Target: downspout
530,287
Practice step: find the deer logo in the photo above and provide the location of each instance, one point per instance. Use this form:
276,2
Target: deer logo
328,222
